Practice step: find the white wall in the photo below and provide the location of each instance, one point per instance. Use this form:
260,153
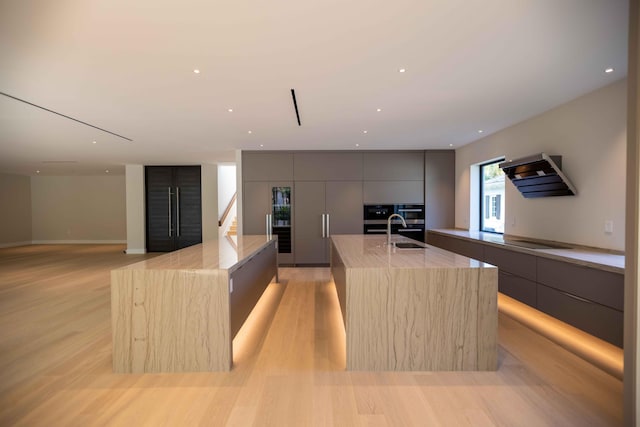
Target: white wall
209,180
136,238
226,186
590,135
78,209
15,214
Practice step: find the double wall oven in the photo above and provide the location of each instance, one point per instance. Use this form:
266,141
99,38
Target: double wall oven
375,220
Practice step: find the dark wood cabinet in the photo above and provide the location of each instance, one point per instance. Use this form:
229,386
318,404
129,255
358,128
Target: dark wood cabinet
173,207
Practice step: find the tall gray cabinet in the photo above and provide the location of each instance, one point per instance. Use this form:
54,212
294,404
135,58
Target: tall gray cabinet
268,197
329,188
328,191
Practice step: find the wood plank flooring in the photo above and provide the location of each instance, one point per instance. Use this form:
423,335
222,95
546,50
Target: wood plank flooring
55,363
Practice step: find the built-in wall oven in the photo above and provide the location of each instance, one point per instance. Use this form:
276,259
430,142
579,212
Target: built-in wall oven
375,220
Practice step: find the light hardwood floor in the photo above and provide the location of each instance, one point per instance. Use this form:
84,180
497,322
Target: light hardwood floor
55,363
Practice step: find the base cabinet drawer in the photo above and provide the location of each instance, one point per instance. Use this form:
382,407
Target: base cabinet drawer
600,286
518,288
593,318
458,246
517,263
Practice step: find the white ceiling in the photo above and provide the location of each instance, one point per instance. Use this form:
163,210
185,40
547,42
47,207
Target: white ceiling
127,67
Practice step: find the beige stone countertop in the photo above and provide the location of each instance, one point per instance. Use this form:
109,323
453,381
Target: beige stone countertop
370,251
590,257
225,253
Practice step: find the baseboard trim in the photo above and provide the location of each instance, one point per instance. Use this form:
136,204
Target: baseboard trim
15,244
135,251
76,242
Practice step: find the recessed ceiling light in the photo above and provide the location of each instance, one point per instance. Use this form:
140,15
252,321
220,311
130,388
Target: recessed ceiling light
196,71
402,70
609,70
450,145
107,171
249,131
94,142
230,110
261,145
365,131
480,131
357,145
379,109
37,171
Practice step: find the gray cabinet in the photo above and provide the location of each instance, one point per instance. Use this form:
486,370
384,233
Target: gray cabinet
393,177
459,246
439,188
327,166
321,209
587,298
263,210
311,242
523,265
392,192
394,166
600,286
267,166
596,319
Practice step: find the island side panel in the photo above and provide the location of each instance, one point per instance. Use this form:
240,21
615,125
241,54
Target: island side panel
339,273
488,319
413,319
170,320
249,283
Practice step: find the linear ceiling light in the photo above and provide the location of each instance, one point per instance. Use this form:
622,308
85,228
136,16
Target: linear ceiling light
65,116
295,105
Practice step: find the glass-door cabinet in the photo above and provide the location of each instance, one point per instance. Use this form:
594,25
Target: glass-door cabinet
281,217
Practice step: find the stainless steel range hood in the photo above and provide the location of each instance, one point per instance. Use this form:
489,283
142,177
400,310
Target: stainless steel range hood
538,176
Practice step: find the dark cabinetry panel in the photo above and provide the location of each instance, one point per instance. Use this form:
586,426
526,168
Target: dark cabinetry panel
267,166
587,298
173,207
596,285
459,246
327,166
439,186
596,319
517,287
517,263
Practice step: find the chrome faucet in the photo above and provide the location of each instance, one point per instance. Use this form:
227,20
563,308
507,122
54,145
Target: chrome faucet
389,226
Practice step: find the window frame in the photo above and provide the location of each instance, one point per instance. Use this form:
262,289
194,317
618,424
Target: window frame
488,207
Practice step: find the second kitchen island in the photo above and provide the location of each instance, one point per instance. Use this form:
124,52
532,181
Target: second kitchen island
416,309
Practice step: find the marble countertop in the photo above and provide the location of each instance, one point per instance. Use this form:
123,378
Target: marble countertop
371,251
226,253
590,257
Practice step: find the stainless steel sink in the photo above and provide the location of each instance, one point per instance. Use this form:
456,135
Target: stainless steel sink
408,245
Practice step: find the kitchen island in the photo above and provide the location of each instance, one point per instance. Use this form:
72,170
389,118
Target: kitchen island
179,312
423,309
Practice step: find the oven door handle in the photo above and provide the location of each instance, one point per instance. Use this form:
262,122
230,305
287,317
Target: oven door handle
409,210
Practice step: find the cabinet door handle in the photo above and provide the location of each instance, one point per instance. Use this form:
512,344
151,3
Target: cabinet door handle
327,221
576,297
178,211
169,199
324,226
267,225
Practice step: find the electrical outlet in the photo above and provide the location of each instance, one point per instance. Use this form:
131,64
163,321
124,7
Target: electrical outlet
608,226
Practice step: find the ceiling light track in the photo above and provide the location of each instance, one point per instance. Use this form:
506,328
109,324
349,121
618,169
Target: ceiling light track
65,116
295,105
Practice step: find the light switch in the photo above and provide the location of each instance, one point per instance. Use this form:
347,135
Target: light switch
608,226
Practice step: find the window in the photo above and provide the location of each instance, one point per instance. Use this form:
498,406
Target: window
492,197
